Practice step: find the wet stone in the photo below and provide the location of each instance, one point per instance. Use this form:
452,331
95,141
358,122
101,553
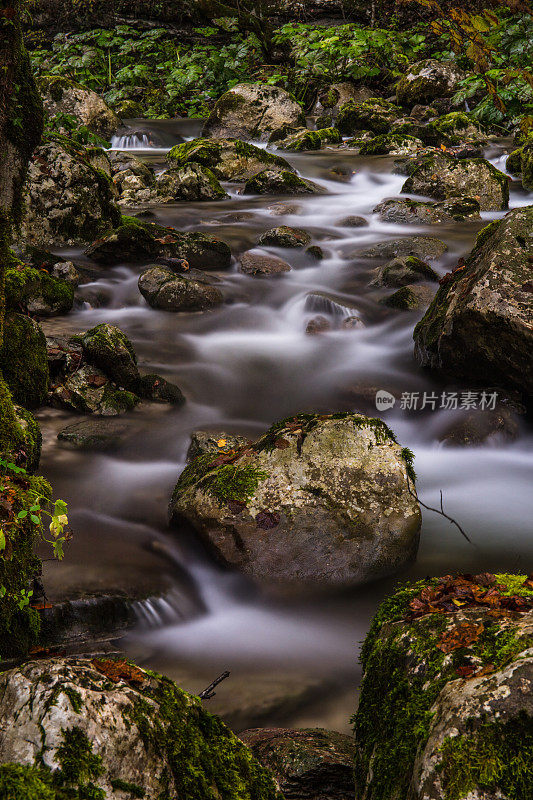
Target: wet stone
253,263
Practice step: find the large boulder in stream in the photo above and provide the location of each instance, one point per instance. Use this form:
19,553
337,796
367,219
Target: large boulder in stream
228,159
68,201
273,181
446,707
317,503
442,177
134,240
374,114
63,96
252,111
168,291
428,80
308,764
479,324
405,211
107,729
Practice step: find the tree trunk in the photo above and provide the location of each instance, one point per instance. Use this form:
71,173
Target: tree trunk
21,122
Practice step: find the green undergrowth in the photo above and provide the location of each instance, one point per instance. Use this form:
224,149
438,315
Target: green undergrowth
394,716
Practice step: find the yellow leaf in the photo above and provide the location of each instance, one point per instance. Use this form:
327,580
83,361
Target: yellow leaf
222,442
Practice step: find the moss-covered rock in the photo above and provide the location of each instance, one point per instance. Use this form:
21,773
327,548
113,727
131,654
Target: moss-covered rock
24,783
318,501
410,298
527,165
37,291
88,390
427,247
403,271
394,144
452,129
64,96
513,163
133,179
252,111
442,177
414,212
228,159
304,139
109,349
284,236
479,324
443,712
274,182
68,200
104,729
428,80
374,114
168,291
191,183
308,764
135,240
23,360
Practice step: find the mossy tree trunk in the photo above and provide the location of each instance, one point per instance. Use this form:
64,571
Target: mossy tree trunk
21,121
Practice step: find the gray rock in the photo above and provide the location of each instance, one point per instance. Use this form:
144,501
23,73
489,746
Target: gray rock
214,443
228,159
352,222
63,96
317,501
168,291
252,111
479,324
413,212
88,390
274,182
402,271
66,271
374,114
427,80
319,324
109,349
285,237
99,435
410,298
253,263
392,144
420,246
191,183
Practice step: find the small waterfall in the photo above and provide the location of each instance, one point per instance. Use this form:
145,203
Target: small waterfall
322,303
134,140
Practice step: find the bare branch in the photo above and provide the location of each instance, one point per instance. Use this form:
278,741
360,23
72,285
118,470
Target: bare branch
438,511
208,693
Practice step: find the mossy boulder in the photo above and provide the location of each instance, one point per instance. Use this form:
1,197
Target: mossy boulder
403,271
105,729
133,179
453,129
275,182
228,159
23,360
68,201
412,297
168,291
443,710
527,165
88,390
29,449
428,80
304,139
318,501
37,291
134,240
284,236
308,764
427,247
414,212
191,183
442,177
252,111
513,163
374,114
109,349
393,144
479,324
63,96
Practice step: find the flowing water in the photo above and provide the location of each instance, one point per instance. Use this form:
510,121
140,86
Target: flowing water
241,367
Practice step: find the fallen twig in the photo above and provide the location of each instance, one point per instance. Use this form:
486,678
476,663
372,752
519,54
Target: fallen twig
208,693
438,510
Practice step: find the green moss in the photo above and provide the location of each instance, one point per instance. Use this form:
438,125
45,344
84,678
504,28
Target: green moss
225,482
387,142
206,761
375,115
514,584
496,758
79,766
23,783
527,166
210,153
514,162
23,360
129,788
453,128
23,283
394,715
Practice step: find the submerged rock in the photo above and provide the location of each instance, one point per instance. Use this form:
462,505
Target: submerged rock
318,501
419,246
441,176
445,708
253,263
228,159
134,240
285,237
68,201
97,435
427,80
273,182
168,291
414,212
307,764
477,427
410,298
252,111
63,96
106,728
479,324
403,271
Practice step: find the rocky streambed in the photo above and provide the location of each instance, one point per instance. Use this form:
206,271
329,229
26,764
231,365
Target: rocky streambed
241,344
